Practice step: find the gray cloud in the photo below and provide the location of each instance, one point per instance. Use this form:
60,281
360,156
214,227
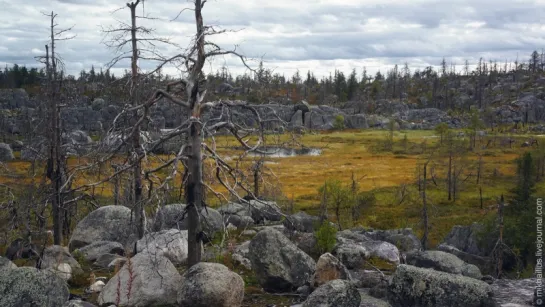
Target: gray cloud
321,35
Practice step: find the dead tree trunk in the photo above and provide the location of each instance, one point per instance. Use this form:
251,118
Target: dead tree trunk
55,162
136,146
449,176
425,219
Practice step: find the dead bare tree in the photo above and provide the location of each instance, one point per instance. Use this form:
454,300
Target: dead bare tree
425,215
56,162
134,42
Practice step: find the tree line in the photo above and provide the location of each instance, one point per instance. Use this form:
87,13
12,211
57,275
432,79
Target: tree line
428,87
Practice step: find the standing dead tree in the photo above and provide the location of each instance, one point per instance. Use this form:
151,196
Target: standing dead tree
134,42
56,161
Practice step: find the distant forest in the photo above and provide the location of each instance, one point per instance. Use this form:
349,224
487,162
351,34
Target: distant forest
400,82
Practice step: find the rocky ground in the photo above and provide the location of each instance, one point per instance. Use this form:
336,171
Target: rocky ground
268,260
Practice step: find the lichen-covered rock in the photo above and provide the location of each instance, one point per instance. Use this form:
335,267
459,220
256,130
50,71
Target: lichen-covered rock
211,284
367,278
351,254
58,259
173,216
170,243
336,293
444,262
5,263
152,279
404,239
279,265
329,268
519,292
241,254
485,264
264,211
354,248
27,286
466,239
104,260
94,250
78,303
302,222
418,287
108,223
237,214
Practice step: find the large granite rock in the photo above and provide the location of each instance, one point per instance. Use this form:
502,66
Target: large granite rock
27,286
174,216
404,239
171,244
96,249
301,221
329,268
418,287
109,223
444,262
336,293
354,248
145,280
211,284
279,265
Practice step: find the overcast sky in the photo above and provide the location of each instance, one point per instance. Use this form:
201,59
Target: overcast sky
320,35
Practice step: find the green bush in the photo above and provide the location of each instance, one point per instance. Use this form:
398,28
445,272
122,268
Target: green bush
339,122
325,237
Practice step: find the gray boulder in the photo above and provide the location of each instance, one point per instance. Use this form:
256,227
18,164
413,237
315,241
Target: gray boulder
27,286
444,262
78,303
418,287
154,282
237,214
57,258
264,211
105,260
301,221
351,254
329,268
485,264
279,265
6,154
173,216
336,293
353,248
367,278
5,263
241,255
369,301
517,292
94,250
404,239
171,244
109,223
211,284
465,238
